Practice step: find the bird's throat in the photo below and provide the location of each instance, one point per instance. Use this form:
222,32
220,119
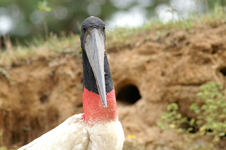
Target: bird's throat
94,112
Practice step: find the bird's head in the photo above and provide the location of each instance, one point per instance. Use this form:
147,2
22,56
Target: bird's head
87,27
93,44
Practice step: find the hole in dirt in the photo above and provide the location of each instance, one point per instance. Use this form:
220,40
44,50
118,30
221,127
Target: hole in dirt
80,105
223,71
216,48
128,94
44,98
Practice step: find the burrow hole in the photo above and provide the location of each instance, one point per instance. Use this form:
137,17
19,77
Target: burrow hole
44,99
223,71
128,94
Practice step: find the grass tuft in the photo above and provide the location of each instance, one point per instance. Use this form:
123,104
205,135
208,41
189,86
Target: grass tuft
39,49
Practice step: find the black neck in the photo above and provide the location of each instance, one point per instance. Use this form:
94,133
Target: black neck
89,81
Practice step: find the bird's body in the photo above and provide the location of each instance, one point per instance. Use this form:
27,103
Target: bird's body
75,134
98,128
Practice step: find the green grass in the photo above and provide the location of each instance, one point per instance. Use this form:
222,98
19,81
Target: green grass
116,39
120,36
209,120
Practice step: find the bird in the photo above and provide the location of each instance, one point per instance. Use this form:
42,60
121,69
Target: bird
98,128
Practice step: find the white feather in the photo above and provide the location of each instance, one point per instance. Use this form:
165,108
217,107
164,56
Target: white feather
75,134
108,136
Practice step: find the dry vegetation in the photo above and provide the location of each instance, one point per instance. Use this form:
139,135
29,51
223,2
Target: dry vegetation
116,39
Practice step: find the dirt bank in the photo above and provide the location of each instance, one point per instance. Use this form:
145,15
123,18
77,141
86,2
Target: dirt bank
161,67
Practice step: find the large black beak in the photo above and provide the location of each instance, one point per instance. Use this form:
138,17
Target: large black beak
94,47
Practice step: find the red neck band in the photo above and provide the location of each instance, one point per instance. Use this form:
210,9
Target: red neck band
94,110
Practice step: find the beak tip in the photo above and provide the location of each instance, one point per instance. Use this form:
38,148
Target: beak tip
105,103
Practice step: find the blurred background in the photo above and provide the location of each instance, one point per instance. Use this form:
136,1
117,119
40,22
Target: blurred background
23,19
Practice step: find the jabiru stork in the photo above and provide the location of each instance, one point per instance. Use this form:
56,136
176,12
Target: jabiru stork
98,128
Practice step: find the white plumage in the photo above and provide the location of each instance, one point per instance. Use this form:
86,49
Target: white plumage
75,134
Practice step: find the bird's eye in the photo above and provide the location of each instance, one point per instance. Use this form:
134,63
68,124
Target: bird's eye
84,29
103,28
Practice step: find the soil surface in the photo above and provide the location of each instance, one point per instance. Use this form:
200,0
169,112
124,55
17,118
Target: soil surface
160,68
